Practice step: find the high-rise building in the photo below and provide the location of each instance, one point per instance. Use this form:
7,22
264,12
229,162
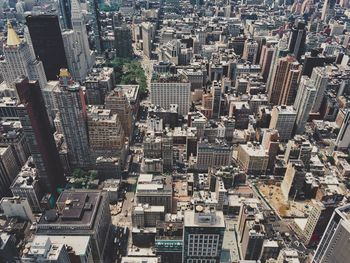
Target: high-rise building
250,51
343,139
215,154
270,143
203,235
319,79
285,84
20,60
328,9
118,103
252,240
65,13
76,61
79,28
106,135
96,25
45,34
304,102
165,92
334,243
36,126
8,169
147,38
81,213
297,39
268,52
71,107
155,190
26,185
123,41
282,120
216,92
253,159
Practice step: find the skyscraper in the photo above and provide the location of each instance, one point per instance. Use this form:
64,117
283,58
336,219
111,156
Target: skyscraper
297,39
65,13
343,139
203,235
250,51
216,92
77,63
79,27
328,9
285,83
147,39
320,81
71,107
303,103
123,47
96,26
283,119
34,119
335,240
20,60
45,34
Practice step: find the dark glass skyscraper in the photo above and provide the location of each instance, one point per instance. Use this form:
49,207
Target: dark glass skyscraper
36,126
46,37
297,39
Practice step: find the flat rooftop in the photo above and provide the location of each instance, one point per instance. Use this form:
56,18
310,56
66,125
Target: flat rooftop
74,208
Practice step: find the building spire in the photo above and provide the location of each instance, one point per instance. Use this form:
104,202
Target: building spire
12,37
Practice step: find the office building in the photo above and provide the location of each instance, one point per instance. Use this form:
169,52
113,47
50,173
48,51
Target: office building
253,158
297,39
106,135
123,41
328,9
97,84
203,235
285,83
56,248
270,142
65,13
36,125
147,33
253,239
303,103
13,135
8,170
96,25
118,103
8,249
250,51
72,115
144,215
216,92
26,185
17,207
171,90
46,38
155,191
81,213
76,61
20,60
334,242
211,155
267,55
343,138
319,80
79,28
282,120
292,185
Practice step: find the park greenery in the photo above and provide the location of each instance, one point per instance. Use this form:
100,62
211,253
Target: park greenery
129,72
83,179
